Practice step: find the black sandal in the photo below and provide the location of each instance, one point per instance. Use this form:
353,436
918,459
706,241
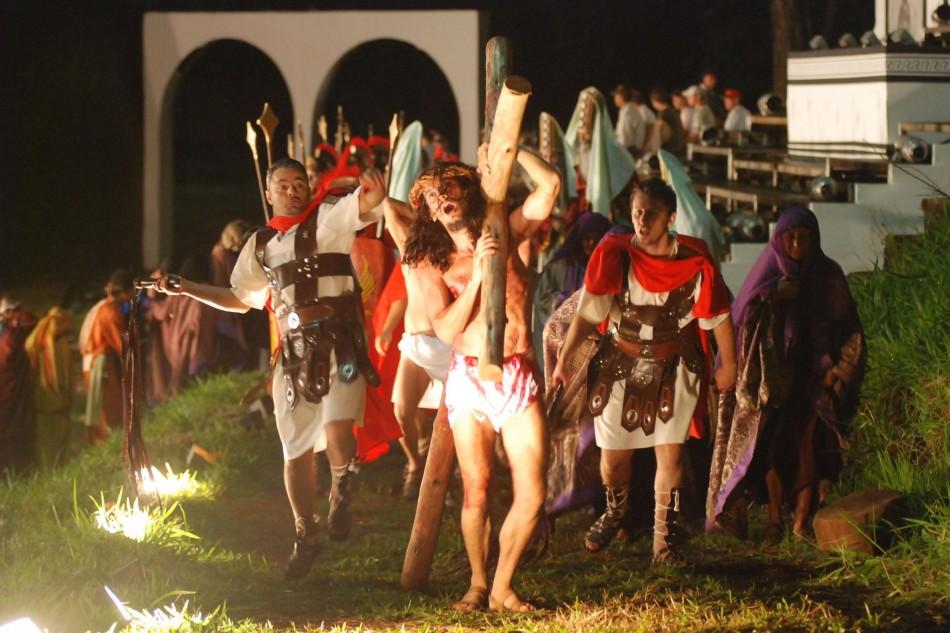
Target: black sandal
602,532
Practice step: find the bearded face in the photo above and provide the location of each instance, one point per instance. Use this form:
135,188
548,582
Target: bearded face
447,203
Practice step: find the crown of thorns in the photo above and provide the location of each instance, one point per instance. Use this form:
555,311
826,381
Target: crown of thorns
431,177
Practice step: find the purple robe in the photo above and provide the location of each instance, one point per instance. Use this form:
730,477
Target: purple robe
783,414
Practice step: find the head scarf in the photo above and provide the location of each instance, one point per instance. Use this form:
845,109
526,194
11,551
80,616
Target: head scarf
692,216
774,263
572,251
606,166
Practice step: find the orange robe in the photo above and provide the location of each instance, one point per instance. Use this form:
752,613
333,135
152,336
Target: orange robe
100,342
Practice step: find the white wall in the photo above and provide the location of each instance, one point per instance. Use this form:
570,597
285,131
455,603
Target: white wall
304,46
862,97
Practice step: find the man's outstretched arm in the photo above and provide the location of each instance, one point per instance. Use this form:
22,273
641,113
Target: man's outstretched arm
214,296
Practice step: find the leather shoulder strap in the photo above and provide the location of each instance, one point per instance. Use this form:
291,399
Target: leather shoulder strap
264,235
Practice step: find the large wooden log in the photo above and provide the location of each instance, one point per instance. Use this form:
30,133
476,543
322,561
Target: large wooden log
430,506
498,65
502,152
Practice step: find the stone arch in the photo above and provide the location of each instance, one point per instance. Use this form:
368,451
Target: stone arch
303,46
389,76
202,128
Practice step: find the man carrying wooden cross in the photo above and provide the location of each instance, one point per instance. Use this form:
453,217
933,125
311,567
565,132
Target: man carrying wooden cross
447,247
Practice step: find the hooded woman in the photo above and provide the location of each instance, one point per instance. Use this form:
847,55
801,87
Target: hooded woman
801,355
564,274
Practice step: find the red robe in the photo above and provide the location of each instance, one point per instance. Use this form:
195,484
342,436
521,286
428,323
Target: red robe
17,425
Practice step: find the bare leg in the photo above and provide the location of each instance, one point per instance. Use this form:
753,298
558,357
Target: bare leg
525,438
669,467
774,486
341,443
474,444
802,509
410,385
300,481
615,467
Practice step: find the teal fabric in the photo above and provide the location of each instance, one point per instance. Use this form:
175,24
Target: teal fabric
569,178
692,216
407,162
610,166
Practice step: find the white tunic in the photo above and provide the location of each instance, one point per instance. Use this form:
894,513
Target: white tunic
302,429
607,428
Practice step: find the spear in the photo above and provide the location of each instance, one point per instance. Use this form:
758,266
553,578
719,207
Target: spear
301,146
268,123
322,129
338,135
394,132
251,139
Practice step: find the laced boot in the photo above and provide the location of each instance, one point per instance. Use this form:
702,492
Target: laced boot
605,528
305,549
339,519
665,534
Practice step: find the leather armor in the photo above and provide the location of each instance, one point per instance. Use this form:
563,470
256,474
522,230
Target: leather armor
311,326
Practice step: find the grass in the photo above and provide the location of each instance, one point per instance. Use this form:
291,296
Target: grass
220,551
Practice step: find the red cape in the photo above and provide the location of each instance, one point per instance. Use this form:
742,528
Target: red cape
373,262
605,273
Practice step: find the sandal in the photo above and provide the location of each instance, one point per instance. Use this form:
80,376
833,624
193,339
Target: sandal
602,532
474,599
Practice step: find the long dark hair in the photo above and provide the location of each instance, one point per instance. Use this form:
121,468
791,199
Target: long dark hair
429,241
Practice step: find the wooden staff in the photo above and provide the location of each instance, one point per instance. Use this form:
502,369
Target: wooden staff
251,138
268,123
290,146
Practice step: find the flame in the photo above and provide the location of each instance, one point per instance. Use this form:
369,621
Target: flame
127,519
167,618
168,484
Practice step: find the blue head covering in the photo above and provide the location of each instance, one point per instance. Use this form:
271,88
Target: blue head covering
692,216
407,162
605,165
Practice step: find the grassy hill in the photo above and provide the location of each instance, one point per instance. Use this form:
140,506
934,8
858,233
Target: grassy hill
221,548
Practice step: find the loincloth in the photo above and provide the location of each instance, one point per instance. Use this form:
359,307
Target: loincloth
494,401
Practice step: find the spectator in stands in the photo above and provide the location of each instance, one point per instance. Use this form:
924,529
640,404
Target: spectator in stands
630,130
708,87
669,128
651,138
702,116
738,119
682,106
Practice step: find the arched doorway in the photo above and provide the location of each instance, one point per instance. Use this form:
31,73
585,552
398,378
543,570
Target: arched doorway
380,77
214,91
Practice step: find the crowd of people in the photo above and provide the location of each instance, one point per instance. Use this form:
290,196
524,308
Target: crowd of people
618,329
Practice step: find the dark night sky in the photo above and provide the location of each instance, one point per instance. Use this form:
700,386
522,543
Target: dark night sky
71,102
